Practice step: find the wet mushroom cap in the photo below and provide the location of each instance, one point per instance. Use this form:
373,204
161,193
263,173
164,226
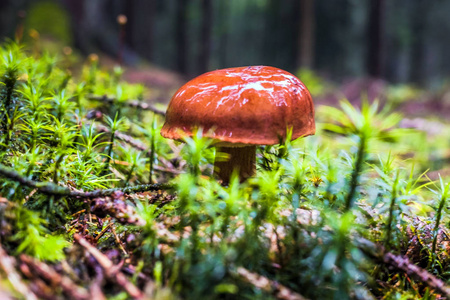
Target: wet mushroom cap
245,105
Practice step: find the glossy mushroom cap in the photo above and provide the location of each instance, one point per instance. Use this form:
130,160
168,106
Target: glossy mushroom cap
246,105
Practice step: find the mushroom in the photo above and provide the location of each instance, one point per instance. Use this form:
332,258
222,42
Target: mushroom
241,108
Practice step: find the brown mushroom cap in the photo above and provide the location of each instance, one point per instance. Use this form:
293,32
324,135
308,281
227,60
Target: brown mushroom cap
246,105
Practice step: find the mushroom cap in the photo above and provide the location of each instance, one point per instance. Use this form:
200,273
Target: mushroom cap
245,105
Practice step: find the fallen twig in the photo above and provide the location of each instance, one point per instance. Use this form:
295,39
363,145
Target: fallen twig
131,103
7,265
104,230
116,208
110,269
124,137
403,264
118,241
137,145
95,288
45,272
267,285
125,190
56,190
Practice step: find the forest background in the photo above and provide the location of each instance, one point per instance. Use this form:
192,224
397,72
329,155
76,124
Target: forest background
400,41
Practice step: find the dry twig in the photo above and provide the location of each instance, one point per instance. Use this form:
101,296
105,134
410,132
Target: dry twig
139,146
104,230
7,264
43,271
56,190
131,103
403,264
118,241
116,207
110,269
267,285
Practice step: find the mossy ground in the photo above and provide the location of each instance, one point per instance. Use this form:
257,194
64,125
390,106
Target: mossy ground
299,229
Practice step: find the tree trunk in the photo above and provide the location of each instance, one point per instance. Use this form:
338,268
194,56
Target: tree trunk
76,7
181,36
205,36
419,19
271,31
223,31
305,53
129,10
375,36
91,27
142,26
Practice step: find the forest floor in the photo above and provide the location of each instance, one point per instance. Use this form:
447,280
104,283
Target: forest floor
95,204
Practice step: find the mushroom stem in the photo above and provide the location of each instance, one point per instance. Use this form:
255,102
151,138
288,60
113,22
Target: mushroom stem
241,159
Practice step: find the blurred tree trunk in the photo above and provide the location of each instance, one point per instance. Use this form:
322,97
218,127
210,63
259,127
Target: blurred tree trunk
76,7
205,36
375,38
7,19
141,25
130,12
92,29
9,16
419,19
305,47
271,31
223,31
181,35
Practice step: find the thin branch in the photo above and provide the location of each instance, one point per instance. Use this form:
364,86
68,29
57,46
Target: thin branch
110,269
104,230
126,190
131,103
50,188
124,137
44,271
118,241
43,187
267,285
403,264
139,146
116,208
7,264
